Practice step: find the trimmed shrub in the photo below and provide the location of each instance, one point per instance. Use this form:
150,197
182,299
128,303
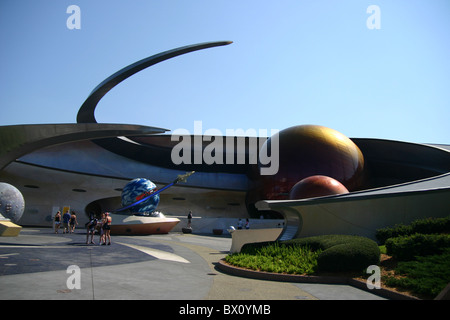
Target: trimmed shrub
391,232
431,225
354,254
425,226
408,247
340,253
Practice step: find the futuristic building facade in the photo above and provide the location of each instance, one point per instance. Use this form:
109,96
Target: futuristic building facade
86,165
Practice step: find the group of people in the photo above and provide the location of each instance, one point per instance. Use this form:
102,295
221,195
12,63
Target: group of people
68,220
103,226
245,225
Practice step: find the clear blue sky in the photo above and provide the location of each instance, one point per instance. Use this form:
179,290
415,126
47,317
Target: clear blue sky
291,62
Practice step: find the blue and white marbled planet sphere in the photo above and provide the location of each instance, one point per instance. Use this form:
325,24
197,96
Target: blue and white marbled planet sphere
136,190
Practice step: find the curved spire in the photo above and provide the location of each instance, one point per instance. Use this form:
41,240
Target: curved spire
87,109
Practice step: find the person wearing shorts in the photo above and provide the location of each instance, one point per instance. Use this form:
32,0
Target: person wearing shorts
57,221
91,230
72,222
107,228
66,220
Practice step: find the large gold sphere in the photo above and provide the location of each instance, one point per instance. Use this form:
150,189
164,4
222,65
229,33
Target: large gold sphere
309,150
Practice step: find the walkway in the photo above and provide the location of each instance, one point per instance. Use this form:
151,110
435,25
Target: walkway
158,267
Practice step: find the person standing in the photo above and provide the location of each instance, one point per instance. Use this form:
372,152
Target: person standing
66,219
107,228
57,221
90,226
189,217
72,222
101,231
247,224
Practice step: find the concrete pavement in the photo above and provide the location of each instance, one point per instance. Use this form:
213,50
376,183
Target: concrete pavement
41,265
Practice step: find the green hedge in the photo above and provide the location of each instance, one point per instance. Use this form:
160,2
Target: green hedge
423,251
349,257
427,275
408,247
340,253
424,226
343,252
